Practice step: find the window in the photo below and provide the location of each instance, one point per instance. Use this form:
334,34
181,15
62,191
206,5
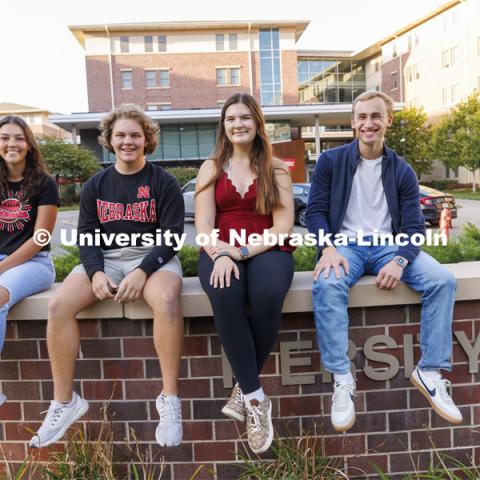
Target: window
153,107
164,78
450,57
395,53
124,44
228,76
447,95
394,77
377,88
417,39
454,54
127,79
233,41
219,42
410,42
413,73
162,43
148,40
377,65
455,93
150,78
446,59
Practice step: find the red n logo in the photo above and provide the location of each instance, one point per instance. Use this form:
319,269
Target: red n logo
143,192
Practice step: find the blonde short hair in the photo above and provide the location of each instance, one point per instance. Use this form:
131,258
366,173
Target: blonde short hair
363,97
129,110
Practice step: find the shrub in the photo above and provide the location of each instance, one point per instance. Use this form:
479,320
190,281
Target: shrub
64,263
183,174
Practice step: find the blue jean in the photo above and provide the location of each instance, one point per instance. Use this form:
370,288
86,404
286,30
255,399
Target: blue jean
31,277
424,274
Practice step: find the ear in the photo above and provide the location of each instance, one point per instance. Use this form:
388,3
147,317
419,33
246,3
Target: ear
352,121
389,120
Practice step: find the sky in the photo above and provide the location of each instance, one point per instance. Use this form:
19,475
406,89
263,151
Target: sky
43,64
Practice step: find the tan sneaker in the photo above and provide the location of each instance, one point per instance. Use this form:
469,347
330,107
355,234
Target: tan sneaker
235,407
259,425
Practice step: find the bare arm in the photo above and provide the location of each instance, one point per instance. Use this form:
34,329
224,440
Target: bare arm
46,218
205,208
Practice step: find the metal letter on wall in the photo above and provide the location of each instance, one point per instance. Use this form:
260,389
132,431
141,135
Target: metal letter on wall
472,352
408,359
286,362
390,360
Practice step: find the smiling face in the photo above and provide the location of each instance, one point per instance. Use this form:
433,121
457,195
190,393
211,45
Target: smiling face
128,142
370,121
239,124
13,147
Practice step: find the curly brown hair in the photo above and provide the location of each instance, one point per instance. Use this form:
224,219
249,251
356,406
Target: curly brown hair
35,168
129,110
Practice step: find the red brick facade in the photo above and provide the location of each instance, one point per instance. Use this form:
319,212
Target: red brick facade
192,79
393,428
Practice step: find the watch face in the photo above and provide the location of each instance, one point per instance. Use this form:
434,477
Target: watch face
244,251
400,261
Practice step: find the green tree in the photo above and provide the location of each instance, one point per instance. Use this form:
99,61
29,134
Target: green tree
456,139
68,160
410,137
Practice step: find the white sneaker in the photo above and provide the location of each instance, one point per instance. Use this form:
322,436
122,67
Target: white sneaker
435,390
169,431
3,398
59,418
343,408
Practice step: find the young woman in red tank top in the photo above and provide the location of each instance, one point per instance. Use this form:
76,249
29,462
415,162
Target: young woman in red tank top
244,188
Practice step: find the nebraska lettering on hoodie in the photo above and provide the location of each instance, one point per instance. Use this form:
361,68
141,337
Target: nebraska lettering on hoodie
141,203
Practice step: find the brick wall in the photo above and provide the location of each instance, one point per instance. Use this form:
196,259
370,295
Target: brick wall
393,427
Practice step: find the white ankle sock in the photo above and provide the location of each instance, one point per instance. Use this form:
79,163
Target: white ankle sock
258,395
431,374
344,378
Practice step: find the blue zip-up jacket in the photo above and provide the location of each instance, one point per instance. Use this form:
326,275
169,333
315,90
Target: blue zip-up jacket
332,184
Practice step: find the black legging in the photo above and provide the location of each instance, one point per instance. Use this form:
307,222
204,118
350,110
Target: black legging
248,339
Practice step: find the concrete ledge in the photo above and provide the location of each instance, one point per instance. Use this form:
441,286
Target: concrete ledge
195,303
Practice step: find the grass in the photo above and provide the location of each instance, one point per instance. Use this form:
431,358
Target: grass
465,194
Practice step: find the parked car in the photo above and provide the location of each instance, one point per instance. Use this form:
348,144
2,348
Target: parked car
433,202
300,193
300,196
188,191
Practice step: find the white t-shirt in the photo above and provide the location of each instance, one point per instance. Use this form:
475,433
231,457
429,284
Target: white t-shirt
367,208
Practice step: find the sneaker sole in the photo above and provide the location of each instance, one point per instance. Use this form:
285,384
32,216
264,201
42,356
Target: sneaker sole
78,414
344,428
444,415
230,413
270,435
166,444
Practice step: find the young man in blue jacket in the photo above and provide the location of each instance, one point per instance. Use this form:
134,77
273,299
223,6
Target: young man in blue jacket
365,186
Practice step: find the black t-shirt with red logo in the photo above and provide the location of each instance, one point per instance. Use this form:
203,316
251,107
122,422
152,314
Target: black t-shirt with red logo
114,203
18,216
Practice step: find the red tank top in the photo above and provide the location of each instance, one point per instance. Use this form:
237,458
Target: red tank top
235,212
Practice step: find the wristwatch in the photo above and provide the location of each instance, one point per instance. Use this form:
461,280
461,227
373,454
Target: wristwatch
402,261
244,253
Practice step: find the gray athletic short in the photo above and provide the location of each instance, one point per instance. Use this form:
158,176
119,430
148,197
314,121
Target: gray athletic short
121,261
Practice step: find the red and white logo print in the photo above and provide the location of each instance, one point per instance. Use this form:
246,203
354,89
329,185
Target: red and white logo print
143,192
14,214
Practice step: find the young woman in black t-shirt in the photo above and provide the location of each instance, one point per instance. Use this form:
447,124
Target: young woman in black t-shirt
28,211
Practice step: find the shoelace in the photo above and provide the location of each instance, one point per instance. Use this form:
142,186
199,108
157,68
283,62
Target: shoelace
254,413
169,411
238,398
443,383
53,414
342,394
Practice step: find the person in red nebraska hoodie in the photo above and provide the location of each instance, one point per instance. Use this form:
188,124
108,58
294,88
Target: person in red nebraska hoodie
135,199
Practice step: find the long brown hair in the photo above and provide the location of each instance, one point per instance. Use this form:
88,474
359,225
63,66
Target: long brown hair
261,155
35,168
